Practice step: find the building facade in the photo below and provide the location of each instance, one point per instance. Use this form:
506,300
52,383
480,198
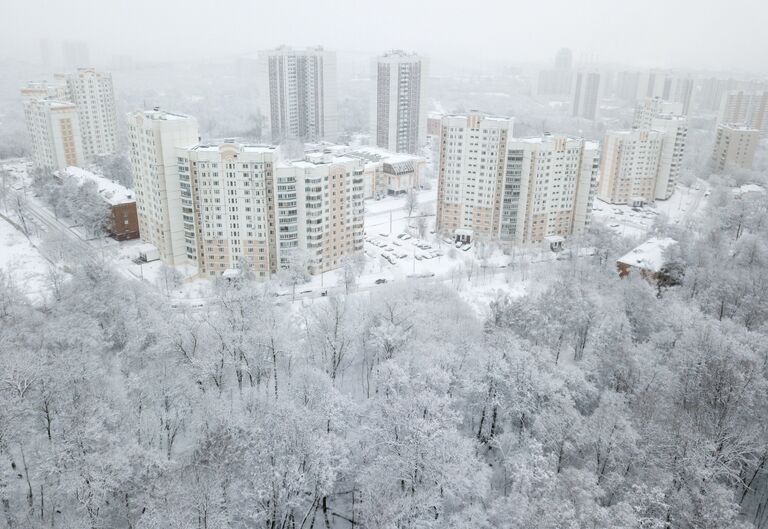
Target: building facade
586,95
93,94
299,93
247,208
399,117
54,131
735,148
387,173
749,108
629,165
548,189
472,163
154,136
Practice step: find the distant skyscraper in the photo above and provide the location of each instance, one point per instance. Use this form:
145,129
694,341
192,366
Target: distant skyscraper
675,129
564,59
558,80
54,130
76,54
299,93
734,148
400,116
749,108
162,207
652,107
94,96
46,53
586,95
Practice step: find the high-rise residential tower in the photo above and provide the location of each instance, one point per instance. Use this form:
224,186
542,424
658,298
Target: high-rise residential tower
586,95
163,209
400,118
473,154
749,108
734,148
92,92
548,189
629,165
54,130
298,90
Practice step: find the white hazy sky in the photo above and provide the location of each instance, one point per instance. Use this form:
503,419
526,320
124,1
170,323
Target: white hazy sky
712,34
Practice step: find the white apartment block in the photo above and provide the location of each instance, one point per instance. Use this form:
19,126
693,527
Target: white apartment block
749,108
227,205
399,116
90,94
154,136
735,148
298,90
472,162
319,210
94,96
548,188
246,207
650,108
654,113
675,129
629,166
586,95
54,130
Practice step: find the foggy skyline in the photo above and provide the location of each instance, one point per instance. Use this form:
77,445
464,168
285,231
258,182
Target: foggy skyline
653,34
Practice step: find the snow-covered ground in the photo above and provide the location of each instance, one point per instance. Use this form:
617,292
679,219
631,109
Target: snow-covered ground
22,263
681,208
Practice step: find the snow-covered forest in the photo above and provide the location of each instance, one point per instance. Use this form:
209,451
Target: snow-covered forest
590,402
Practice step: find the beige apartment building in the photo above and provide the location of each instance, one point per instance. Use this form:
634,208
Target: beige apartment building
472,163
629,165
154,136
735,148
245,207
548,189
387,173
746,107
54,130
88,94
518,191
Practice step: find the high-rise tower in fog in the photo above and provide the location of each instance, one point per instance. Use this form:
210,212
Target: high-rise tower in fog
400,118
298,89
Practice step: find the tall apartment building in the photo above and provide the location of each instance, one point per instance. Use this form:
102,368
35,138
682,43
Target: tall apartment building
154,136
94,96
629,166
734,148
654,113
548,188
749,108
586,95
472,162
227,201
54,130
319,210
650,108
557,81
400,117
244,206
91,95
299,93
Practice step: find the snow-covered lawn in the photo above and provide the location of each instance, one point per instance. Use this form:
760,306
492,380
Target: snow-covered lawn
22,262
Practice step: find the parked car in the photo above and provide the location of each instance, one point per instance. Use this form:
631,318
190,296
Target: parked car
380,281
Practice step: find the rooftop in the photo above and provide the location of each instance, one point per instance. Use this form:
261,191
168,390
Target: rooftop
112,192
649,255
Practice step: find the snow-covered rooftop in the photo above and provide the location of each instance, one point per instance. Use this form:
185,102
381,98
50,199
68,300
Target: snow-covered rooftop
649,255
112,192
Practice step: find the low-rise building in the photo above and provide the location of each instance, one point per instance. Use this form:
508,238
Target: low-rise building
123,220
648,259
